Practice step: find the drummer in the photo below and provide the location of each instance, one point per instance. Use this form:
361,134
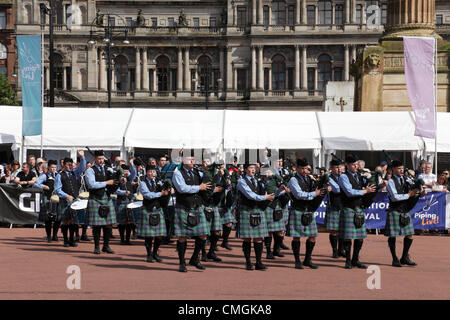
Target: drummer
67,187
124,193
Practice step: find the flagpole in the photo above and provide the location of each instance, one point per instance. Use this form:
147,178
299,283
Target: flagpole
42,93
435,107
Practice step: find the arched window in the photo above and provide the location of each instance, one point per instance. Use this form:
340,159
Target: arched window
324,66
162,67
205,73
27,15
3,52
83,14
121,72
59,70
278,73
279,13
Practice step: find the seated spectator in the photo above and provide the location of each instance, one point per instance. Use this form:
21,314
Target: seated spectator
15,168
441,184
7,178
428,177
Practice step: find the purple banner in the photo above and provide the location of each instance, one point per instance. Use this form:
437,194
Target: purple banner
419,76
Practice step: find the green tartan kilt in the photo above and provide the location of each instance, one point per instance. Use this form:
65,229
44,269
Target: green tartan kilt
93,219
245,230
347,229
285,215
67,214
295,227
273,226
124,214
332,219
46,207
182,229
393,228
215,224
227,216
144,229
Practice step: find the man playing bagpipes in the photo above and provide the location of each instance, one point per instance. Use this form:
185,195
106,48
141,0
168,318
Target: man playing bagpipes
125,195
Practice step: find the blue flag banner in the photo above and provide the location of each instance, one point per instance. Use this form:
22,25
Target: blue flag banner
428,213
29,48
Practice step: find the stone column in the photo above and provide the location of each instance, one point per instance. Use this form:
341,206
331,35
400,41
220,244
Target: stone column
253,68
221,64
235,79
316,79
270,79
353,53
316,14
254,12
92,68
346,63
297,12
102,70
260,12
187,76
347,11
180,70
363,14
260,69
354,12
64,78
155,80
333,14
47,77
145,81
304,69
137,73
304,16
297,68
229,69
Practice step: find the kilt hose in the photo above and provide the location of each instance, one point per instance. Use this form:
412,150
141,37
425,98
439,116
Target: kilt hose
216,223
94,219
144,229
347,229
296,229
183,229
393,228
274,226
332,219
245,230
226,216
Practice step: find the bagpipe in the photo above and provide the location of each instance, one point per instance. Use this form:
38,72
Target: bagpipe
210,176
319,182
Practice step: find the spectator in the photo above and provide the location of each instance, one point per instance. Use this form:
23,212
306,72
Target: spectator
15,168
384,167
361,164
26,178
7,178
428,177
39,163
441,183
32,163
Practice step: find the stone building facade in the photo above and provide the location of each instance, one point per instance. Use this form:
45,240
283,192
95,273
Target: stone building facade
7,41
246,54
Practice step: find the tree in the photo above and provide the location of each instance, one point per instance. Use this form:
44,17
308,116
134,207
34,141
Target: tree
7,95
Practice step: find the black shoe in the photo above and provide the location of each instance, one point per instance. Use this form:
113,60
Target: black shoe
49,239
226,245
335,254
278,254
270,255
122,243
77,239
213,257
134,237
310,264
249,266
298,265
216,248
66,244
157,258
182,268
55,238
396,263
407,261
74,244
341,253
260,266
84,237
97,250
107,250
128,243
348,264
197,264
204,258
358,265
283,246
149,258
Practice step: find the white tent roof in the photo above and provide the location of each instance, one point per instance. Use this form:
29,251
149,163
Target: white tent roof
369,131
271,129
175,128
11,124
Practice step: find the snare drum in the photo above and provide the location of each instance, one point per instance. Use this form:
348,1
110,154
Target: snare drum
77,211
135,208
79,204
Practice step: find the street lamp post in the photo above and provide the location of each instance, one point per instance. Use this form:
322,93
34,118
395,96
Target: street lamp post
109,36
50,12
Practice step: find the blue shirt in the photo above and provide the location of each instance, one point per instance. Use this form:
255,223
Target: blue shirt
78,172
346,186
297,191
90,178
42,179
335,185
392,190
147,194
130,178
180,184
243,187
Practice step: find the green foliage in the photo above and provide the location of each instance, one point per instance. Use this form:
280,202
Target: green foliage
7,95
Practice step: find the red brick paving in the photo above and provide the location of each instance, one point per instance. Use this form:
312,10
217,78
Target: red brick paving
31,268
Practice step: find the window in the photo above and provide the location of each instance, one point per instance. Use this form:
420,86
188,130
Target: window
162,68
311,15
266,15
121,73
2,20
325,12
171,22
212,22
154,22
324,67
241,16
3,70
43,17
67,12
338,72
311,78
129,21
358,13
383,13
339,14
291,12
278,73
241,79
3,52
59,13
278,13
205,73
112,21
196,22
439,19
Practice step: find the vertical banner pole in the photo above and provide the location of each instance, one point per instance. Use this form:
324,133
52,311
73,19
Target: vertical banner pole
435,107
42,93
